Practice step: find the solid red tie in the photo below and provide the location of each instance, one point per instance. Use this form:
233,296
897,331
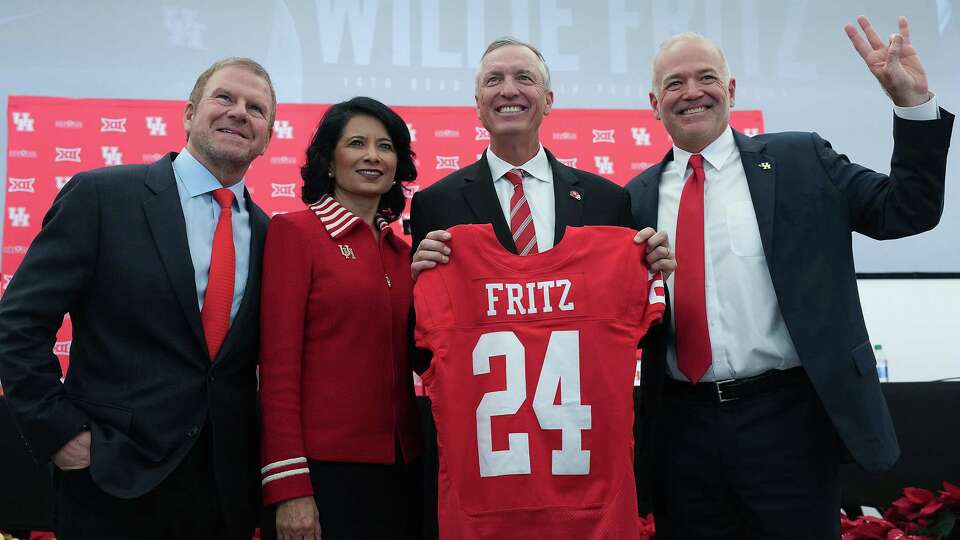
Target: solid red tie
521,220
693,337
218,298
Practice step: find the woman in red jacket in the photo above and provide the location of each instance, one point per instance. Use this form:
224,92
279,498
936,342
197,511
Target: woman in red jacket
339,419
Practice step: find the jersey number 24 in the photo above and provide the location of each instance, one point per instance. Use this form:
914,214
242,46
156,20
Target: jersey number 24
561,368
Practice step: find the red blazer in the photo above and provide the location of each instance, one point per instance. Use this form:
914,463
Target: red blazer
335,379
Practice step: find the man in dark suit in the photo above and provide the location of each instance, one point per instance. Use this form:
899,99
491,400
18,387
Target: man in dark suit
153,432
513,95
765,380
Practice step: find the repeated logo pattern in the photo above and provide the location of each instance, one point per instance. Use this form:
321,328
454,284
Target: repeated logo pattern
115,125
22,121
48,139
21,185
282,129
156,126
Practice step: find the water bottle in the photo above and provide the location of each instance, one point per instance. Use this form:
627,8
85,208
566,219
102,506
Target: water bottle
881,356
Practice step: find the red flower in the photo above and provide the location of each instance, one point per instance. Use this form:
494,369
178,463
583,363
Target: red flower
916,503
871,528
950,496
647,528
847,524
897,534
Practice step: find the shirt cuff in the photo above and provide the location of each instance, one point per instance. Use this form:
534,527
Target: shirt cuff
925,111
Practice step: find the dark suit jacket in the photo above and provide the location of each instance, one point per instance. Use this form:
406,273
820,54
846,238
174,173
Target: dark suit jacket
468,196
113,254
808,201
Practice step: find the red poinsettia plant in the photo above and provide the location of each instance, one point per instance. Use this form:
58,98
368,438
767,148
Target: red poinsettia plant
648,530
919,515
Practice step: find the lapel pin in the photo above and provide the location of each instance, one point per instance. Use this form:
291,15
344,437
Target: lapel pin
575,194
347,251
765,165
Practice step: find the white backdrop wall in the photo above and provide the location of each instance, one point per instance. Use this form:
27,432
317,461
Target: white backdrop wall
916,322
792,60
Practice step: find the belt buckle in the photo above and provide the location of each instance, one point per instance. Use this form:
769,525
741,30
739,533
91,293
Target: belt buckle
719,386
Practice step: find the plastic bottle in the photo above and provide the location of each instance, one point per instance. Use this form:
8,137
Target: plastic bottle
882,372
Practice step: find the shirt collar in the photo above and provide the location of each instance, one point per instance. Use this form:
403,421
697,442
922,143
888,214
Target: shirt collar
538,166
197,180
716,153
338,221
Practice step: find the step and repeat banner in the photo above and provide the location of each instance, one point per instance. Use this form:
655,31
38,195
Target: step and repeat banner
51,139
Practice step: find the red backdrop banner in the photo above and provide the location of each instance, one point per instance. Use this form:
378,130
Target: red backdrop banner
51,139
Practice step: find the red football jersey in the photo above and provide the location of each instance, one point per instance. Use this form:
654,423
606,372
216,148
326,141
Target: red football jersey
532,383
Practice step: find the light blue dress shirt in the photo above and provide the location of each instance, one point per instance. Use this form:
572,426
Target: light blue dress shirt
195,184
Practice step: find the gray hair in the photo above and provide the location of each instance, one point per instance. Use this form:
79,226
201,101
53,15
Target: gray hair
509,41
686,36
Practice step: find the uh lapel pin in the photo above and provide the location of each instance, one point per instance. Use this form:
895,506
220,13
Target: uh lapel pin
765,165
575,194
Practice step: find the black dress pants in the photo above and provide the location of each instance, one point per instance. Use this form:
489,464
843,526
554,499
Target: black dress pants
184,506
760,467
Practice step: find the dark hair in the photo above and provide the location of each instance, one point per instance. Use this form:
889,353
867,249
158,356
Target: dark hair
315,173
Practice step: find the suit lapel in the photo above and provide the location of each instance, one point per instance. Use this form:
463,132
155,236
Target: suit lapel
481,197
761,172
569,209
645,194
165,218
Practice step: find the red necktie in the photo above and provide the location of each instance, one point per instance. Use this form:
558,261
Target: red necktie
693,337
218,298
521,220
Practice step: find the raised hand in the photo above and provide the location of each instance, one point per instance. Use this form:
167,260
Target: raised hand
895,64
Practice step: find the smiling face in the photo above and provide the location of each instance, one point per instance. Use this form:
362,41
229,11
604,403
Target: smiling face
512,97
228,127
364,161
692,93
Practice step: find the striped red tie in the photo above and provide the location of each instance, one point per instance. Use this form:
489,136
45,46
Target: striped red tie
521,220
218,298
694,355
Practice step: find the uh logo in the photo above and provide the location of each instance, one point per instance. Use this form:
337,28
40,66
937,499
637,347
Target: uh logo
22,121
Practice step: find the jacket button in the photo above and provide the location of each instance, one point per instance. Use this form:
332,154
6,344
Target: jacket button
193,431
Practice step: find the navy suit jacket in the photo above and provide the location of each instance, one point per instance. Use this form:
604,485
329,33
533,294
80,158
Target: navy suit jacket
113,254
808,200
468,196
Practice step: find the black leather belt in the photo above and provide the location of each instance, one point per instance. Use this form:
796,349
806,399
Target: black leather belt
734,389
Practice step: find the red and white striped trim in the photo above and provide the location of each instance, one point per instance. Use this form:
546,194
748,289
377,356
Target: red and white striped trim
284,468
657,294
337,219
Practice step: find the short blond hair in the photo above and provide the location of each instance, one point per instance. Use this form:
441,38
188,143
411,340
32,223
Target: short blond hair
246,63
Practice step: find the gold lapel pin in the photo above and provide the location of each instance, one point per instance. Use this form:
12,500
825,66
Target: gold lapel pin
765,166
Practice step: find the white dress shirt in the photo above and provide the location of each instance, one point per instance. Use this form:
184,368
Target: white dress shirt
747,333
538,188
